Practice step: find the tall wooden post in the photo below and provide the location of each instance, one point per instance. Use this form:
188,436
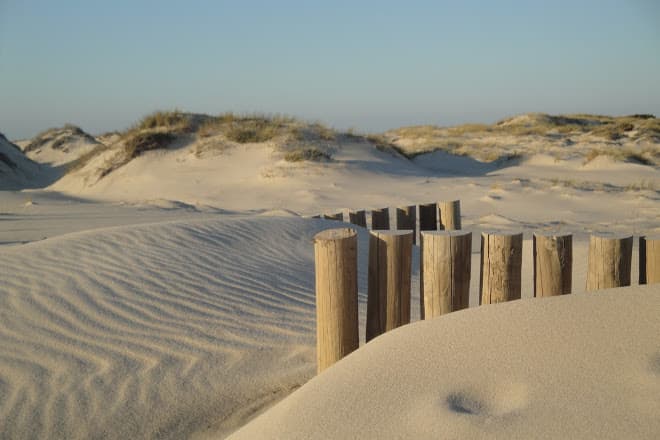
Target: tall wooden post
649,259
447,257
450,215
610,258
501,264
553,264
406,219
335,253
390,265
337,216
428,217
358,218
380,219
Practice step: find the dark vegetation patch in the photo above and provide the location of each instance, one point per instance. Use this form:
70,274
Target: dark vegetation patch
307,154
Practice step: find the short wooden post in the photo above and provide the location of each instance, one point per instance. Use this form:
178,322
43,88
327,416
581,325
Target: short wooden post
609,263
428,217
450,215
380,219
553,264
501,264
447,257
406,219
388,296
335,253
358,218
649,259
337,216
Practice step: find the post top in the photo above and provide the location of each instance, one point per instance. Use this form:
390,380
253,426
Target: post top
501,233
554,234
391,232
447,233
335,234
651,237
604,235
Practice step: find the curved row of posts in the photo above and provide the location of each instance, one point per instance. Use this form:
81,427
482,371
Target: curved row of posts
445,270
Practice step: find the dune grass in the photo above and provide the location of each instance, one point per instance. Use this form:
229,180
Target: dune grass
311,154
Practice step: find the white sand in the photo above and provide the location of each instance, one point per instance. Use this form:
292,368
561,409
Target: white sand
582,366
195,311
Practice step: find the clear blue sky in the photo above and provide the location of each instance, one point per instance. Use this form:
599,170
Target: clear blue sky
371,65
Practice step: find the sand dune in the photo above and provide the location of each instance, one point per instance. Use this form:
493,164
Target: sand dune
157,330
583,366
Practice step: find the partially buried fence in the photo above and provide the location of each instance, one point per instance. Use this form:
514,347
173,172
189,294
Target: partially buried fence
445,270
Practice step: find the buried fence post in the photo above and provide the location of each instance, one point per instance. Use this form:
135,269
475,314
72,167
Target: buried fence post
358,218
649,260
446,257
501,263
406,218
609,263
450,215
428,217
335,254
553,264
337,216
388,299
380,219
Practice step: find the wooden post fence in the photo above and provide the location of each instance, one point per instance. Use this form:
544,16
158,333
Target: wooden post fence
428,217
609,263
406,219
450,215
501,263
337,216
335,254
358,218
380,219
446,257
388,298
649,259
553,264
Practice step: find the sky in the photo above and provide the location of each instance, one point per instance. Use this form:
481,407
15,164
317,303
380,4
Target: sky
366,65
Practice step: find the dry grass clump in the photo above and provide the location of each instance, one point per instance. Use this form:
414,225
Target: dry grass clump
311,154
245,129
647,156
83,160
146,141
173,121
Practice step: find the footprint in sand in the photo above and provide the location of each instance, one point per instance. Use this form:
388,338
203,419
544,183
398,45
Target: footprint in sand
504,401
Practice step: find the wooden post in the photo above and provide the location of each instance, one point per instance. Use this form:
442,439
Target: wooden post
553,264
406,219
388,297
446,257
649,259
428,217
450,215
335,254
610,258
337,216
358,218
501,263
380,219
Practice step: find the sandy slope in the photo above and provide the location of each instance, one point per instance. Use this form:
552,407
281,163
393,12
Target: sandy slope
157,330
584,366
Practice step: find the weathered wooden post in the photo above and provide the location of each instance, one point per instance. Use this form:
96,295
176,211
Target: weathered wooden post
406,219
609,263
447,262
501,264
335,253
428,217
450,215
649,259
337,216
358,218
553,264
380,219
390,265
